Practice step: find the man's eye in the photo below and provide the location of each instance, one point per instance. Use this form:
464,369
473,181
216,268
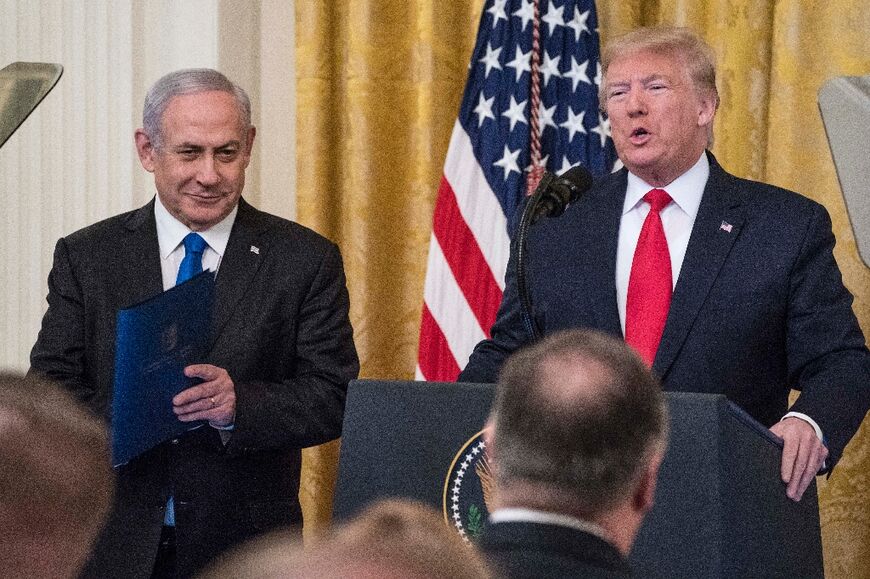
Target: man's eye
227,155
187,154
615,93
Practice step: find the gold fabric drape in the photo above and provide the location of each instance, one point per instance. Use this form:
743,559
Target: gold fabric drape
378,89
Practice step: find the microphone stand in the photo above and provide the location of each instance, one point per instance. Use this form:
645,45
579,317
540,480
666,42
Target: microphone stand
529,216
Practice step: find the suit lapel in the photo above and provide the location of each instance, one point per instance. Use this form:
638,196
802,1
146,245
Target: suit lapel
245,252
603,221
716,228
138,263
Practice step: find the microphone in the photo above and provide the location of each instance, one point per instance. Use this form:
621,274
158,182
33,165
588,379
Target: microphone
555,193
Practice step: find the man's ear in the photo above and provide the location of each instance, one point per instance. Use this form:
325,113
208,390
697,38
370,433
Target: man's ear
644,493
707,108
145,150
249,144
488,440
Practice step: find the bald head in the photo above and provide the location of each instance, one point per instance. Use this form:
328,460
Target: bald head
579,414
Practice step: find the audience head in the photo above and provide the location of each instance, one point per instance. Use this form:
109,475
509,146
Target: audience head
56,482
578,427
391,539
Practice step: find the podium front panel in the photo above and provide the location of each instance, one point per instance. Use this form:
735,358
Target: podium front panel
720,506
400,439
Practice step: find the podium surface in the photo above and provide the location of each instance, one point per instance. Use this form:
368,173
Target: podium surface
720,508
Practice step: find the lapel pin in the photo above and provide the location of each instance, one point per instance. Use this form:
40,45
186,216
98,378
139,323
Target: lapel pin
255,249
726,227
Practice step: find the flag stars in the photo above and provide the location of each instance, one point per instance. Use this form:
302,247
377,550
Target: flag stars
484,109
526,11
508,162
554,17
574,124
545,116
577,74
490,59
550,67
521,63
566,164
516,112
498,12
578,23
603,129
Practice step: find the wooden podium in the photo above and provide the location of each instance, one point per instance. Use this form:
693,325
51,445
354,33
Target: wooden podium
720,510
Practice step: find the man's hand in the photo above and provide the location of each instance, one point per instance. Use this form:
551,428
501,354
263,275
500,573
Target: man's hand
803,454
214,400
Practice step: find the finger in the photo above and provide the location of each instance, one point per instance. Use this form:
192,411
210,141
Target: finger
198,406
801,466
789,454
810,472
192,394
206,372
205,415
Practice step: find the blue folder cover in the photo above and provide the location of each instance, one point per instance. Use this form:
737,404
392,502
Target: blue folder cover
154,342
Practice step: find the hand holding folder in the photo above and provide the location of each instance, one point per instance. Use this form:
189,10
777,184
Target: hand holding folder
155,341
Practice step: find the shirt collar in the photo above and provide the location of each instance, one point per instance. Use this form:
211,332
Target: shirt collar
519,515
686,190
171,232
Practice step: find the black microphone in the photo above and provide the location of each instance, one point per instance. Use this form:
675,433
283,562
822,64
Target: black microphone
557,192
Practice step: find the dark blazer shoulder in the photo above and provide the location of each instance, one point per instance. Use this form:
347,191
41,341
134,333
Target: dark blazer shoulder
110,228
758,195
281,230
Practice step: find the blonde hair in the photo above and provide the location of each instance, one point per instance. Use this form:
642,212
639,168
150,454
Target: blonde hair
676,41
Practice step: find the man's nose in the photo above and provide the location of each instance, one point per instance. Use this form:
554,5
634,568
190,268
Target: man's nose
207,174
636,103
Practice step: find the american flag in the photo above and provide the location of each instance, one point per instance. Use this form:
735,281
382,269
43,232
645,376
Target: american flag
490,154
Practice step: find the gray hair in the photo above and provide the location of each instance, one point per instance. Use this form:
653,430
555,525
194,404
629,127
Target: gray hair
580,414
184,82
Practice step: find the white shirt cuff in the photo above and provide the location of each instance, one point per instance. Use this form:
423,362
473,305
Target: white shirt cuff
806,418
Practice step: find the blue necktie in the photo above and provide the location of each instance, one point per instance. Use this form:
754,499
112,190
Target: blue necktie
191,265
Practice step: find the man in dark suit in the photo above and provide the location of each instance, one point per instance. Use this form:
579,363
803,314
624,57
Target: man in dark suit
282,352
723,285
576,436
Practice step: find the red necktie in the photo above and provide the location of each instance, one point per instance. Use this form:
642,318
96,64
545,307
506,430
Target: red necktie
650,284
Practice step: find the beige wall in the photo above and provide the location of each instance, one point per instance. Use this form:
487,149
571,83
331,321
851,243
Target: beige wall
73,162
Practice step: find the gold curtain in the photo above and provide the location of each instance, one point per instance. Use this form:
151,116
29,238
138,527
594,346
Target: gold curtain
379,84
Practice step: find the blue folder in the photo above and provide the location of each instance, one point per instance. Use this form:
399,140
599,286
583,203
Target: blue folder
154,342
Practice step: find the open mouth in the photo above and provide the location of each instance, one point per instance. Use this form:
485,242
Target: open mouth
639,136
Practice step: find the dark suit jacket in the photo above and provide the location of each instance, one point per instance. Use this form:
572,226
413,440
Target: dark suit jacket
280,329
519,550
756,311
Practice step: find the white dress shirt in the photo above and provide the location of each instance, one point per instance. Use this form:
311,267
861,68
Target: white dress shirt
171,232
519,515
678,218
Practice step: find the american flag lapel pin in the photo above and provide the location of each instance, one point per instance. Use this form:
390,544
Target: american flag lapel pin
726,227
255,249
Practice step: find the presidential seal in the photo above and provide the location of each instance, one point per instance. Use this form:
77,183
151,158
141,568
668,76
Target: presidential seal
467,488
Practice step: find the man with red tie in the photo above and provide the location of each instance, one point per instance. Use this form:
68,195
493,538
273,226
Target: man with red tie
723,285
